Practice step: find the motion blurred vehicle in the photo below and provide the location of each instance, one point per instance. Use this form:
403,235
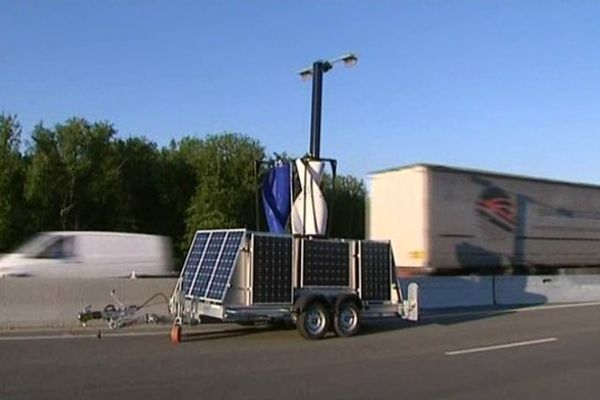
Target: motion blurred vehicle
89,255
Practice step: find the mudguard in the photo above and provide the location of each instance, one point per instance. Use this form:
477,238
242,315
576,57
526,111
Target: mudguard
303,301
343,298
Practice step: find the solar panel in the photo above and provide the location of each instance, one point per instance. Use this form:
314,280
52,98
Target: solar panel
224,266
272,269
375,270
325,262
207,264
215,264
190,268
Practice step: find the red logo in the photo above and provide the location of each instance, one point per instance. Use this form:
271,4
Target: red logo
497,207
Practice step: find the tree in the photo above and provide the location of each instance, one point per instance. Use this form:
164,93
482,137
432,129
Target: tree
348,200
224,196
12,209
178,164
142,199
72,181
78,175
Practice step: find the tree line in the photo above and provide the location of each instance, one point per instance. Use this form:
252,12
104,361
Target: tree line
79,175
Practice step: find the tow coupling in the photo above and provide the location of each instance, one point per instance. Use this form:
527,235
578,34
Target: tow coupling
120,315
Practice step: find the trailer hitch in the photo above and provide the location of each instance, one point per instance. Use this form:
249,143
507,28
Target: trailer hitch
119,315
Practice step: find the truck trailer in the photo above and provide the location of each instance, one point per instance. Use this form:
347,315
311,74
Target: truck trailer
443,218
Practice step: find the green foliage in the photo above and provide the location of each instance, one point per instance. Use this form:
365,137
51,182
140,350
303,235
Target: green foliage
347,205
141,198
180,183
73,178
12,210
224,196
79,175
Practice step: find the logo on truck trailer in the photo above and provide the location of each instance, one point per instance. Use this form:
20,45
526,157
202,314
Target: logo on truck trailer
498,208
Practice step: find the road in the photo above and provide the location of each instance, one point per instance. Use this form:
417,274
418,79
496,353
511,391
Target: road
544,354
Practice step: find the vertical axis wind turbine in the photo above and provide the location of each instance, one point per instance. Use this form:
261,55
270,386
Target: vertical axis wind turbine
309,209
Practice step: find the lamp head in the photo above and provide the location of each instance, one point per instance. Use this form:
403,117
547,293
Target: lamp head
350,59
305,74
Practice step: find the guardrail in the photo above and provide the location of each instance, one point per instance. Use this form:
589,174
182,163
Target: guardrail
447,292
37,302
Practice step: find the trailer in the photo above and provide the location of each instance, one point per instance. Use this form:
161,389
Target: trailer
319,284
445,218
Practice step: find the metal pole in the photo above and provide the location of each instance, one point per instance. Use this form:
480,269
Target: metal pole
257,187
319,67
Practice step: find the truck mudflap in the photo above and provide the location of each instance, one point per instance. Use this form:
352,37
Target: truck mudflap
409,308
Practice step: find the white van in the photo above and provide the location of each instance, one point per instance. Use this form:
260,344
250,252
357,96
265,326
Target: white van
90,254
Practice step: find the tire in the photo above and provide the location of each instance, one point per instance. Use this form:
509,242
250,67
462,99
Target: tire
346,321
313,322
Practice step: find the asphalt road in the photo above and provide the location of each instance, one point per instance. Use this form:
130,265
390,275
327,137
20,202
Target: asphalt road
544,354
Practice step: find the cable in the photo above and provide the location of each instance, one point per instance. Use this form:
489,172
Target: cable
144,304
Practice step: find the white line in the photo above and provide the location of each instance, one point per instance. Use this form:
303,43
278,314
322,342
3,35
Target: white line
501,346
556,306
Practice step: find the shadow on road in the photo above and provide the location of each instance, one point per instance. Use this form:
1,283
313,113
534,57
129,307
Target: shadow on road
449,317
369,327
227,333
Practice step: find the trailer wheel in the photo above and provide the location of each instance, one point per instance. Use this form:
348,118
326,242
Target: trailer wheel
176,334
346,322
313,322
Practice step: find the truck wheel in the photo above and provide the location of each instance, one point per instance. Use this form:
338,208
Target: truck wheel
313,322
347,320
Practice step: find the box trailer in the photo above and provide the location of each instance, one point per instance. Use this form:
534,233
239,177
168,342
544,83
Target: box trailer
319,284
451,218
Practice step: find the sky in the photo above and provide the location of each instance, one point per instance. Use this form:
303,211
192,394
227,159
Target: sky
508,86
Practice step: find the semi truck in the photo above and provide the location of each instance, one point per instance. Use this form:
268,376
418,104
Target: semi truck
441,218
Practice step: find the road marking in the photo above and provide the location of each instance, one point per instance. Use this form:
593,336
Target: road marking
556,306
501,346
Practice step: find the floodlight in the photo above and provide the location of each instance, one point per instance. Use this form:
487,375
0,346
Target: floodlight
350,60
305,74
315,73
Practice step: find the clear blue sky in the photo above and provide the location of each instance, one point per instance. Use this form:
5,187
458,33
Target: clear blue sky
510,86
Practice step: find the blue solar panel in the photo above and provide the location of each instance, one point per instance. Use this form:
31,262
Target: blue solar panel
224,268
193,260
207,264
215,265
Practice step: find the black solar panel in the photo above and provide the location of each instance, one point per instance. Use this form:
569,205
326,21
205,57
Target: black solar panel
325,262
375,264
272,269
214,264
